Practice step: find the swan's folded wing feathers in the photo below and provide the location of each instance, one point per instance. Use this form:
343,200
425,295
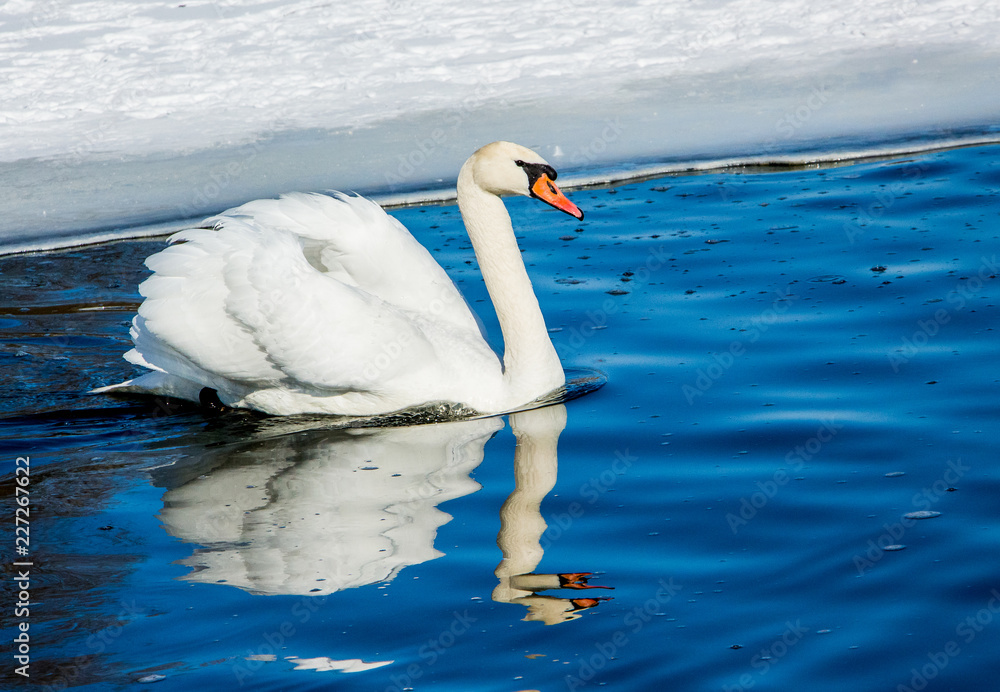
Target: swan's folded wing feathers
243,306
353,240
156,354
184,327
321,333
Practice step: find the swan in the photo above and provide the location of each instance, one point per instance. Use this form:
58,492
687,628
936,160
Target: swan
324,304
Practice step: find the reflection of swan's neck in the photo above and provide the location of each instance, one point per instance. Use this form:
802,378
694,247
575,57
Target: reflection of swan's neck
521,522
531,365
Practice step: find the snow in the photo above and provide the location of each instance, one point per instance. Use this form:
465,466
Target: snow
116,114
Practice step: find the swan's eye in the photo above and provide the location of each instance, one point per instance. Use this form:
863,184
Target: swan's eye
534,171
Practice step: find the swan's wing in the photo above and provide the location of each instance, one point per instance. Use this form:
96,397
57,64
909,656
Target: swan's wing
322,333
183,327
240,308
353,240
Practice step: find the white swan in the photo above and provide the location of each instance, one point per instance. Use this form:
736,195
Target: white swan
317,304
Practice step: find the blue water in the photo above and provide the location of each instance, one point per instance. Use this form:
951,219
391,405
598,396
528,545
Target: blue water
797,359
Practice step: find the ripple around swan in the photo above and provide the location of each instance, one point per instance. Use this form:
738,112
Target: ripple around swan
579,382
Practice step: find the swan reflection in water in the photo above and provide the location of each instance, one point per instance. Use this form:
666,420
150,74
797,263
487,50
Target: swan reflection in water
320,511
522,525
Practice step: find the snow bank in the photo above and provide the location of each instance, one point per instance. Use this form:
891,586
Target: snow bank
132,112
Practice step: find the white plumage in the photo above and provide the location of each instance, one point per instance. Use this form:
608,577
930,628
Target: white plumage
317,304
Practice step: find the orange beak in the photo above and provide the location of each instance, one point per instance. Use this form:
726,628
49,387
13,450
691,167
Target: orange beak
547,191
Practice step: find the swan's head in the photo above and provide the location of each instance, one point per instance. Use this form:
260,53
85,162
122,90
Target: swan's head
505,168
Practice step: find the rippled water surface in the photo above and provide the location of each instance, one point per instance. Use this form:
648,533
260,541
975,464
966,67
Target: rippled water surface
789,482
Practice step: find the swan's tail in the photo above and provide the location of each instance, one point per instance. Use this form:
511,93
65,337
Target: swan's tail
155,383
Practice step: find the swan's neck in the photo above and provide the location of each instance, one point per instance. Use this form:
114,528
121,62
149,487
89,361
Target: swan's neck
531,365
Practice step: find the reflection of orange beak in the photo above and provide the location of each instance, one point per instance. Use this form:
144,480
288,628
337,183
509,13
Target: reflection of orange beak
584,603
547,191
578,580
